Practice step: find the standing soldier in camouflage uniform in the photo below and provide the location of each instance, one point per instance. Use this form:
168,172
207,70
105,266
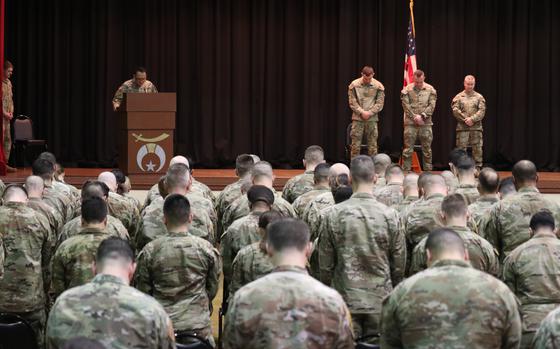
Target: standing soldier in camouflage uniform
138,84
28,245
35,187
253,261
301,184
92,189
424,215
108,310
451,304
177,181
532,272
287,308
362,251
467,181
418,101
391,193
454,217
366,97
74,257
261,174
8,111
488,181
508,221
469,108
245,230
321,186
181,271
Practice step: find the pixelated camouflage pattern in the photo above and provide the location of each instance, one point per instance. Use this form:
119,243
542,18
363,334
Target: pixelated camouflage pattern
298,185
469,192
130,87
421,218
73,228
251,263
389,194
312,214
480,208
547,335
300,204
53,216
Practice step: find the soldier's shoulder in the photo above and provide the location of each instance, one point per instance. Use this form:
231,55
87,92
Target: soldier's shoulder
429,87
405,90
377,84
355,83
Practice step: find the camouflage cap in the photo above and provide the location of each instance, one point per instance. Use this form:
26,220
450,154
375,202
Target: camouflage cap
260,193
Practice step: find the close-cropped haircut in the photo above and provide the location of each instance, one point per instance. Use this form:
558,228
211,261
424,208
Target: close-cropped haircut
94,210
465,164
243,164
362,169
394,171
524,171
178,176
94,189
489,180
507,186
114,248
176,209
455,155
321,173
262,169
43,168
287,233
11,190
454,205
443,240
268,217
119,175
541,219
314,154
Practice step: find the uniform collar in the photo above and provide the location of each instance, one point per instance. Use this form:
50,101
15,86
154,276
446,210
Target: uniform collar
14,204
91,230
107,279
491,199
543,236
362,196
434,196
176,234
293,268
322,187
528,190
450,262
467,186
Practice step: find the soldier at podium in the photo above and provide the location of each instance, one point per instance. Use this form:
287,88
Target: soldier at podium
138,84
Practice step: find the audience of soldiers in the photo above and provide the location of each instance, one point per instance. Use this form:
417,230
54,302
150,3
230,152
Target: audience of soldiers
366,253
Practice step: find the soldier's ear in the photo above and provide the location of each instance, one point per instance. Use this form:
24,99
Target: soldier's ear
304,163
308,250
131,271
466,256
429,257
269,250
105,222
94,268
190,218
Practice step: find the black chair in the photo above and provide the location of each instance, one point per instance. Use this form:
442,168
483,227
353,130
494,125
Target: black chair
15,332
25,145
189,340
362,342
363,146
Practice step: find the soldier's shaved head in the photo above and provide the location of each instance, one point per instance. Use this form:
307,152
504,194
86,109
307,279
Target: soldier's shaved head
469,78
14,193
262,169
178,178
338,175
435,184
337,169
524,172
381,162
506,187
321,174
445,243
454,206
34,186
243,165
410,185
95,189
256,158
115,257
362,170
488,181
287,234
394,174
179,159
109,179
314,155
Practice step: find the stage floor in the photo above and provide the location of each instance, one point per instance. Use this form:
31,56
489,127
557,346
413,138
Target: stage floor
549,182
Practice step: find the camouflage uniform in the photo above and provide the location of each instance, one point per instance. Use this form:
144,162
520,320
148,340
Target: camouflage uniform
126,212
452,184
227,196
471,105
196,188
152,194
421,218
312,214
130,87
406,202
243,232
153,226
28,245
469,192
481,253
8,107
60,201
362,254
55,219
423,102
532,272
133,201
111,312
73,259
548,334
74,227
251,263
389,194
240,208
507,225
451,305
480,208
2,187
298,185
300,204
73,195
182,272
287,309
362,98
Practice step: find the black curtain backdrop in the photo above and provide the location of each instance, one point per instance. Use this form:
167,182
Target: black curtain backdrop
270,77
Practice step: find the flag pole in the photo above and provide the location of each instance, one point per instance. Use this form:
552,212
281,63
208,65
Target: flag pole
412,17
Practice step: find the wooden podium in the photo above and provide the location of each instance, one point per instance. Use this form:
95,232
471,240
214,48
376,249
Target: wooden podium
146,124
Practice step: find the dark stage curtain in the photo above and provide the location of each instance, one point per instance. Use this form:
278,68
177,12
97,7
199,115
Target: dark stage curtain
270,77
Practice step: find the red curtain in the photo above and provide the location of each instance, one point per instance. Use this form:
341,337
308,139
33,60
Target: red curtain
2,160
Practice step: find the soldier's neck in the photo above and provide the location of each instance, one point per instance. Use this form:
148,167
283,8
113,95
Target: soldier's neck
180,191
363,188
290,258
35,196
467,179
456,222
100,226
178,229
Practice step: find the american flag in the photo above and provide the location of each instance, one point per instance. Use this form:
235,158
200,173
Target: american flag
410,56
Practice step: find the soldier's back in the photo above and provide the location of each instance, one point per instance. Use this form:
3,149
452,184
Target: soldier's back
390,194
287,309
300,204
421,218
469,192
114,228
115,314
451,305
297,186
251,263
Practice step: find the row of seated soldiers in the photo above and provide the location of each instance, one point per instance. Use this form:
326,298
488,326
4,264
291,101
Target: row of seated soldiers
368,227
